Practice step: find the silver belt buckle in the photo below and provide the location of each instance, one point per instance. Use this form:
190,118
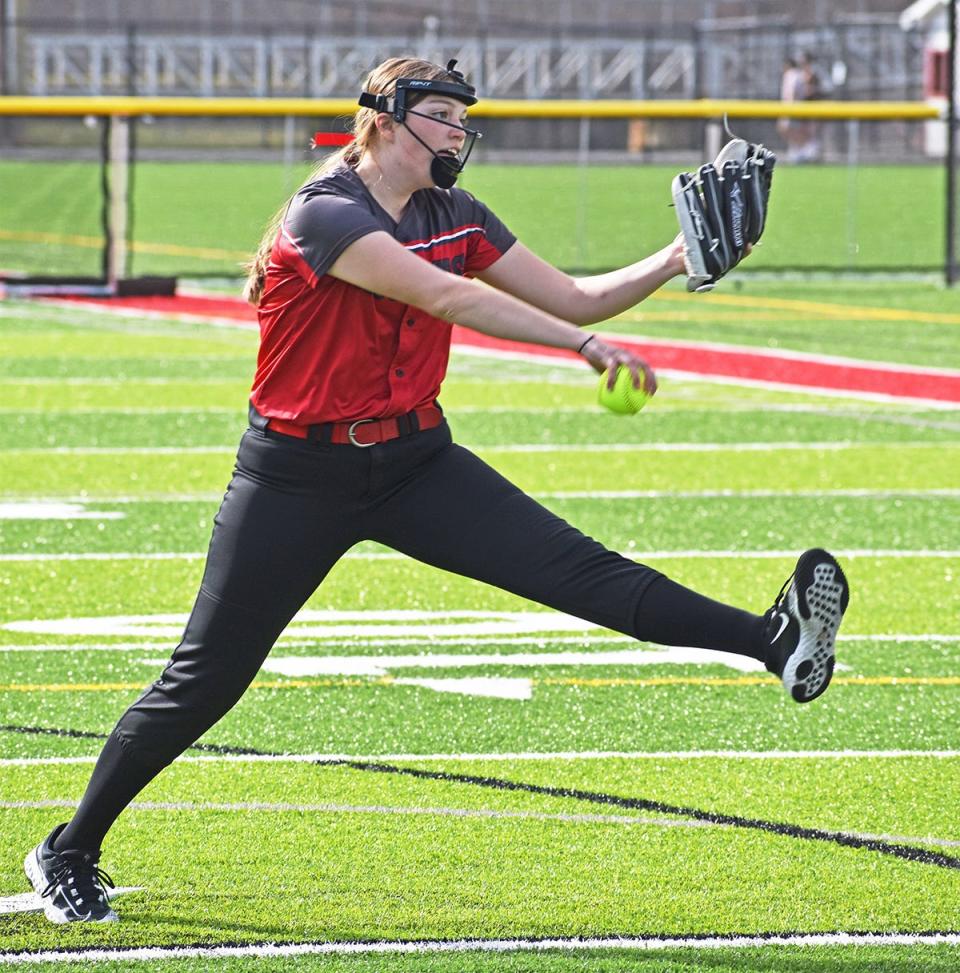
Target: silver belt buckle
351,433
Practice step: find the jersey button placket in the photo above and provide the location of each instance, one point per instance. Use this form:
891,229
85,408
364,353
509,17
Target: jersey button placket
403,351
399,367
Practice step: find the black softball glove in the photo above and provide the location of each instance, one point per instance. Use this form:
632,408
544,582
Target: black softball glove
722,209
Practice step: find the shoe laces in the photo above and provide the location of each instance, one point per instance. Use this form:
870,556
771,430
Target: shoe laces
781,597
779,606
85,877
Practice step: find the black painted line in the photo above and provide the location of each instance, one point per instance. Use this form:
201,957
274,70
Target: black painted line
906,852
51,731
228,751
86,735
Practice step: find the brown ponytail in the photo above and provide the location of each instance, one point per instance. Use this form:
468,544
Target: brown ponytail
381,80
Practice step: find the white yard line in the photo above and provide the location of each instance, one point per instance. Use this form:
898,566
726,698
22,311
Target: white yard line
118,450
905,840
79,315
53,510
783,353
889,637
567,755
116,556
561,363
141,380
558,363
620,942
396,556
754,447
296,641
141,314
443,812
539,641
123,411
876,494
94,647
693,407
330,808
212,497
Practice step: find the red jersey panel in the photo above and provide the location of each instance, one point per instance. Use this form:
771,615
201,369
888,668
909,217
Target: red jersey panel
330,351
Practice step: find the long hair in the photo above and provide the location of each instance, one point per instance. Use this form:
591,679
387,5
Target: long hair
381,80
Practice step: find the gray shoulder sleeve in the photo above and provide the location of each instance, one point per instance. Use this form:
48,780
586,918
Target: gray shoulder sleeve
320,227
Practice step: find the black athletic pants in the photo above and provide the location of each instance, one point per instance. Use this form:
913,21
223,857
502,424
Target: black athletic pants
293,508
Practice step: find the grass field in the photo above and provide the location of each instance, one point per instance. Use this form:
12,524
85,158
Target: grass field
426,759
187,219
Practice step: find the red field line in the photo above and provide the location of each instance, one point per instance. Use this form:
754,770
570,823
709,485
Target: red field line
708,360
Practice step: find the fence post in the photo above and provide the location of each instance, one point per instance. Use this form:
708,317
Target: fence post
952,271
116,205
853,161
583,167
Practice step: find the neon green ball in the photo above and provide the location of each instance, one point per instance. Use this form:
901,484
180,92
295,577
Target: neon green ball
623,398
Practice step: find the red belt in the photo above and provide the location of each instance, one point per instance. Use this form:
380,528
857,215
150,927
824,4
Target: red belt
362,432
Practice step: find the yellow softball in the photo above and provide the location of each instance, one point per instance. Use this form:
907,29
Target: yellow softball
623,398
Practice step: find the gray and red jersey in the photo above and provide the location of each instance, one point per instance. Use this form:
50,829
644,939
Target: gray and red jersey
331,351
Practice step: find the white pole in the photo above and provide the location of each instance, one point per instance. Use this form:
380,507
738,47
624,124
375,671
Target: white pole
119,202
853,161
583,165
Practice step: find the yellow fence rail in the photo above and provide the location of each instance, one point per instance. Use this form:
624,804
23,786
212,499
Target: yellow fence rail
492,108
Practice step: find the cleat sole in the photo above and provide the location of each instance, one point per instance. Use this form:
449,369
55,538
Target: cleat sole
817,598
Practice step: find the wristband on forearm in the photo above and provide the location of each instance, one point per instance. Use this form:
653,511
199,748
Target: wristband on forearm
584,345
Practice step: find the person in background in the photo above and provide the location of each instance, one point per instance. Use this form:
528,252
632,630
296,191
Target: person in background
811,89
800,82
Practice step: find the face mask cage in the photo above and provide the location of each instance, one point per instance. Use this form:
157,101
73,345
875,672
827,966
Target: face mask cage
455,163
444,169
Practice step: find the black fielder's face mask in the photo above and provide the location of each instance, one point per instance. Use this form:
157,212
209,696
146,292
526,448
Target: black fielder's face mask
444,168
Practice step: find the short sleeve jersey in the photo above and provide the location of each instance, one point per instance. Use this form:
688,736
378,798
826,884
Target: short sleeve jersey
331,351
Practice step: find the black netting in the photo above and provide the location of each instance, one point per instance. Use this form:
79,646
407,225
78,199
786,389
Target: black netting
52,198
586,194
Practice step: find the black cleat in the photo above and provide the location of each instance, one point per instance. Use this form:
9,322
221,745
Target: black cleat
801,627
69,882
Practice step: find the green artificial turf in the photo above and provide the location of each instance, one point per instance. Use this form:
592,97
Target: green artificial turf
492,876
775,959
597,217
588,425
662,523
135,423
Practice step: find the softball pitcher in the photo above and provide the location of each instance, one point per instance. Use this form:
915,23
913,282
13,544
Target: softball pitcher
356,285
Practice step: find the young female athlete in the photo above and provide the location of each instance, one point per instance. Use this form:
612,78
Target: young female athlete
356,285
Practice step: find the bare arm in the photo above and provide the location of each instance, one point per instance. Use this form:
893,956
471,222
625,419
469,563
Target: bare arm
583,300
378,263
